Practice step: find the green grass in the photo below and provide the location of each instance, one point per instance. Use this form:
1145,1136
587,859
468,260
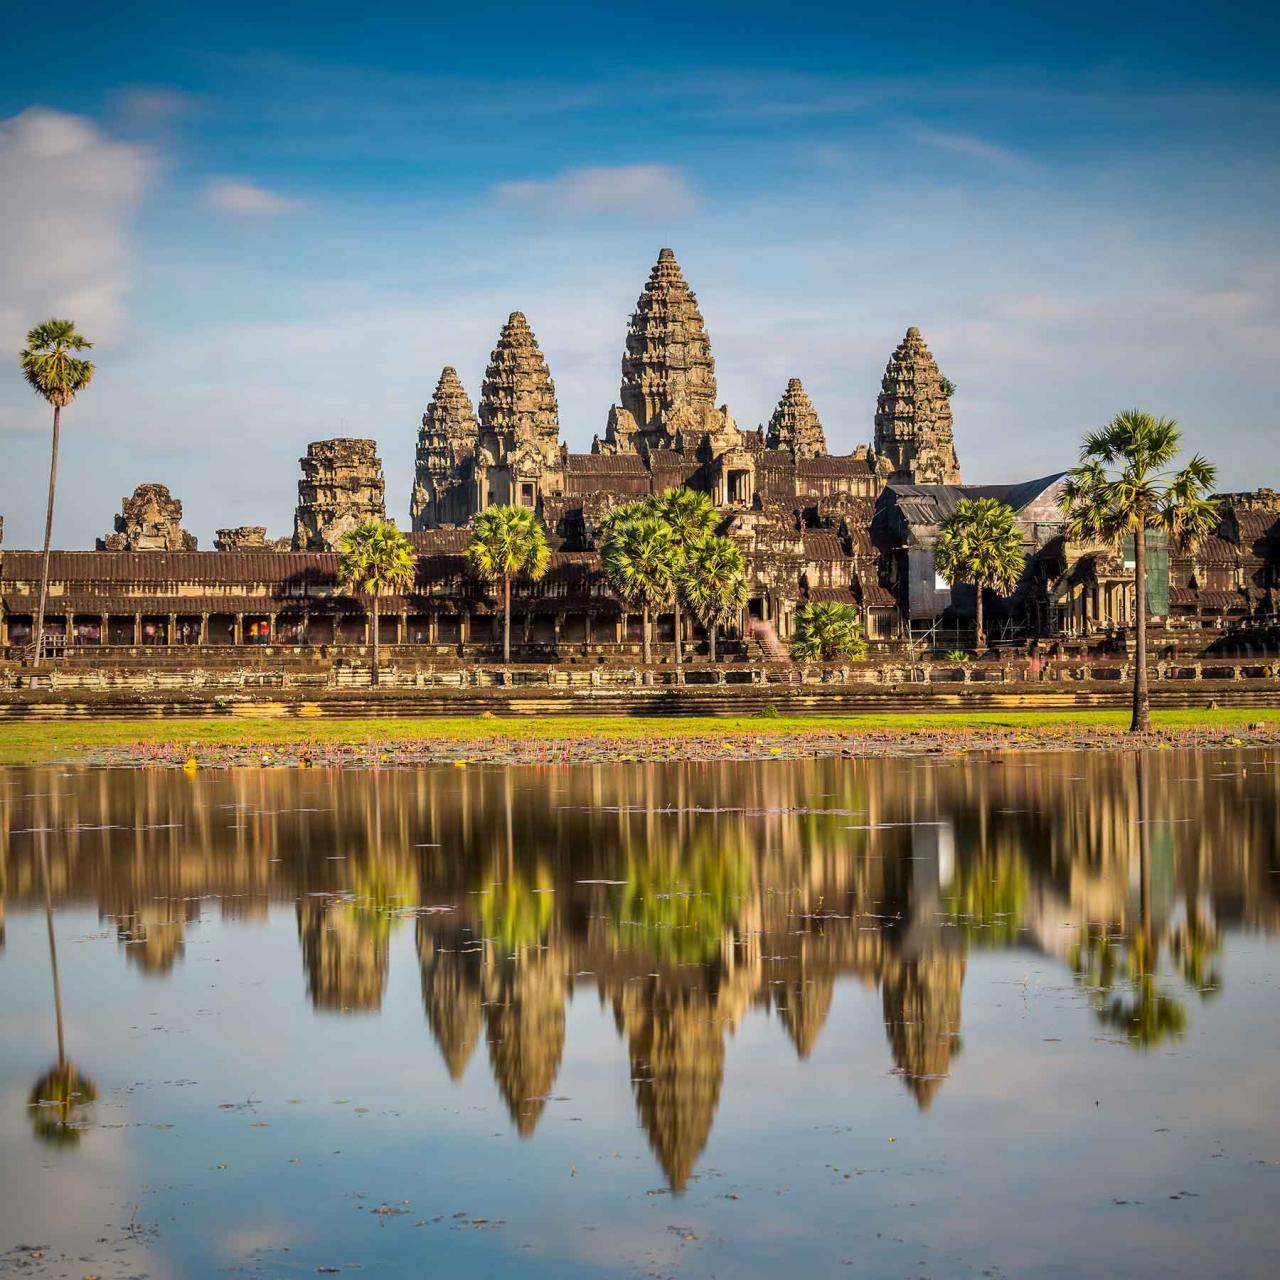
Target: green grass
29,742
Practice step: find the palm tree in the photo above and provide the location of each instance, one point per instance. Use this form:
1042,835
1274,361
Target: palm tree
376,558
979,543
53,371
692,517
713,584
642,562
826,630
505,542
1125,483
60,1098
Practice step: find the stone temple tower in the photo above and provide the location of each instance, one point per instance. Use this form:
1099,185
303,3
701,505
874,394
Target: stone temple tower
341,488
913,417
518,409
795,425
668,363
446,443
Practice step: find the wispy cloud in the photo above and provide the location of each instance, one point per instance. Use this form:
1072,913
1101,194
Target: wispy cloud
248,199
68,192
967,144
635,190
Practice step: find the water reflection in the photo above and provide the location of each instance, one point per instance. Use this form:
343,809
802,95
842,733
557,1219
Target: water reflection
684,896
61,1099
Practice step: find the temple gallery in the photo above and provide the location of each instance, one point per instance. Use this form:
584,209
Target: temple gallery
856,528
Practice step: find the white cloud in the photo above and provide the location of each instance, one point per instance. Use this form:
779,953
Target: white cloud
967,144
68,193
248,199
636,190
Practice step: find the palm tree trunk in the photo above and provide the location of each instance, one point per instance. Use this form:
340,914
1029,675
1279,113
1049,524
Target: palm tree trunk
53,947
48,535
373,677
648,648
711,638
981,637
679,642
1141,698
506,619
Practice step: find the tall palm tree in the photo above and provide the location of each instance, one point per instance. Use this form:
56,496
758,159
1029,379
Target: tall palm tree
505,543
979,543
692,517
54,371
376,559
642,562
713,584
59,1099
1125,483
826,630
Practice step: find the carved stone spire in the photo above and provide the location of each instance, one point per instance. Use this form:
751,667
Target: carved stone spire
448,438
668,362
151,520
913,417
518,400
795,425
341,488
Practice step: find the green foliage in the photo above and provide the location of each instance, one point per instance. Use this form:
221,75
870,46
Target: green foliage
517,912
376,559
678,906
987,902
948,388
60,1104
1125,482
826,631
508,542
979,543
713,581
642,557
691,515
957,655
768,712
49,364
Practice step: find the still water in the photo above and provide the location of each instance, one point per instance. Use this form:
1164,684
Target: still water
1009,1016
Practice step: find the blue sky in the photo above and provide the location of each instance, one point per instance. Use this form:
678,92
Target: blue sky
279,222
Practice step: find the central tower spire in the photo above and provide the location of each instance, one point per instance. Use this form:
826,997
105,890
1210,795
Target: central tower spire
668,362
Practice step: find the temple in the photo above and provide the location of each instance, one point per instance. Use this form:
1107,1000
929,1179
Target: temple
815,525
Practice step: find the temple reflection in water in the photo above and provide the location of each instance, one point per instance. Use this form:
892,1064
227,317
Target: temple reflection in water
684,895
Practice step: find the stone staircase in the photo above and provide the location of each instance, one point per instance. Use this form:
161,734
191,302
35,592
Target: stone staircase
771,647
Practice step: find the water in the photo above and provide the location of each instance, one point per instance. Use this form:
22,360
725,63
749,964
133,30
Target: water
915,1017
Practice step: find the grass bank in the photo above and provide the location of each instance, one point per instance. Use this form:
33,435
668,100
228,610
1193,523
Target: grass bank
28,743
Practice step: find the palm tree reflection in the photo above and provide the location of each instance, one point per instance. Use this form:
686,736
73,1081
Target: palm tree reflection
60,1100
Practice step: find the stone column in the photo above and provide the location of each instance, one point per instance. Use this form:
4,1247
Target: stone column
137,630
402,627
104,629
204,628
170,629
586,624
237,630
69,635
271,628
464,627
